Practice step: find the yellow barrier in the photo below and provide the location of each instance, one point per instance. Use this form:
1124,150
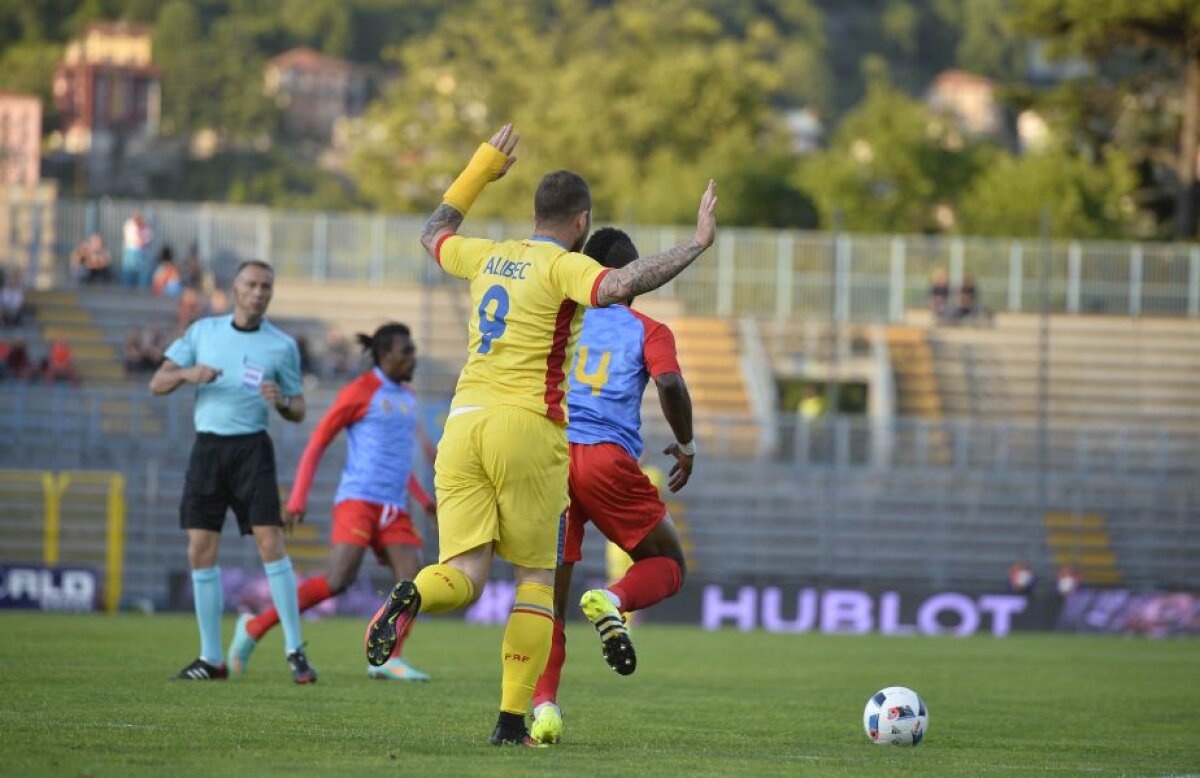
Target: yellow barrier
54,487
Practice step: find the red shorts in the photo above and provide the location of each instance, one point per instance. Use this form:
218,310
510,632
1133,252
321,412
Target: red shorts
372,525
611,491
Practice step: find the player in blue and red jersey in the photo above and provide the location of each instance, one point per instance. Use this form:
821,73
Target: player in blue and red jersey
619,351
379,413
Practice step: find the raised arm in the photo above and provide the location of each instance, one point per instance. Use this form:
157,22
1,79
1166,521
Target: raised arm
676,405
490,162
350,406
649,273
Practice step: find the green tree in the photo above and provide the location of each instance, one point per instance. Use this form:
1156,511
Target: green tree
1085,200
210,77
1145,26
790,36
988,40
646,100
179,53
237,106
891,166
29,67
328,24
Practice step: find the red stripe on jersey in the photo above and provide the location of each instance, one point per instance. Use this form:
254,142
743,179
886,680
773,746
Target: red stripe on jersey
555,360
437,248
596,286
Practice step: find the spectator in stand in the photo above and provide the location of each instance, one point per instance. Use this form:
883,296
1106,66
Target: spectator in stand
189,308
812,404
967,302
939,294
154,345
135,259
218,303
1069,580
306,362
90,261
12,300
143,349
60,364
133,351
167,279
337,355
1021,578
17,362
193,269
5,350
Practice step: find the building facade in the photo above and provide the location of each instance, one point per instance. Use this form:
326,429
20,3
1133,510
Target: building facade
20,139
315,91
107,88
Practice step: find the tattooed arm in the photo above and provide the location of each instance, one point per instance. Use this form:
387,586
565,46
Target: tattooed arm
487,165
649,273
444,220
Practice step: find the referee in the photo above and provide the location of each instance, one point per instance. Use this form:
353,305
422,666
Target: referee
241,366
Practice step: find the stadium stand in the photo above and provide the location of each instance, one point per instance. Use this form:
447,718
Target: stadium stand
62,314
710,357
1083,542
1109,486
1103,371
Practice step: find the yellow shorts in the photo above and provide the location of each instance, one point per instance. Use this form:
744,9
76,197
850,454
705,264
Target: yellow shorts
501,476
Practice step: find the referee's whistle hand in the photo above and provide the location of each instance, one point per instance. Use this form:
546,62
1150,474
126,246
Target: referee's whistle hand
203,374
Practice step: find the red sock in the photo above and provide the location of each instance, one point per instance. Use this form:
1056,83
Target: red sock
547,685
311,592
648,582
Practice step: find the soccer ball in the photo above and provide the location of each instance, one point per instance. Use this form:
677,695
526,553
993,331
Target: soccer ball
896,716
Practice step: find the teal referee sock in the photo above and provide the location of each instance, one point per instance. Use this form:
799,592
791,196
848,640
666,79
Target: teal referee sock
282,580
209,601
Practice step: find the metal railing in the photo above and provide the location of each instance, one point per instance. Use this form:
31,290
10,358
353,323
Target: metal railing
67,423
961,498
963,445
764,273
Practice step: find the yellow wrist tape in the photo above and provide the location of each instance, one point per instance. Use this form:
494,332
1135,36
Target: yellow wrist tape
485,166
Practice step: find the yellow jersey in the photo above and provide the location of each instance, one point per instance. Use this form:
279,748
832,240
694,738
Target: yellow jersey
527,299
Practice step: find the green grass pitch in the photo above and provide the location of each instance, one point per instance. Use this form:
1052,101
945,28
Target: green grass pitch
87,695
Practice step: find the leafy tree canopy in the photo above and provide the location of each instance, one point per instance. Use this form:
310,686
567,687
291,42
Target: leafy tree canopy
647,101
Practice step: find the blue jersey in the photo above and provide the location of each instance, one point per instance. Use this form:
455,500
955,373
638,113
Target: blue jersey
232,405
380,419
619,351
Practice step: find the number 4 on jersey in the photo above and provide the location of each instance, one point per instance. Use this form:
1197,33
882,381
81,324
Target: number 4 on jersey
596,379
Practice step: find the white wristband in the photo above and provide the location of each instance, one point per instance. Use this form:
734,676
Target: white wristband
687,449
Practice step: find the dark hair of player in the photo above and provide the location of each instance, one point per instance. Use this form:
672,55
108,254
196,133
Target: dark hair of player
611,247
381,342
560,197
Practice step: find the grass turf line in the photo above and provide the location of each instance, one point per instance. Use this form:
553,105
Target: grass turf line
88,695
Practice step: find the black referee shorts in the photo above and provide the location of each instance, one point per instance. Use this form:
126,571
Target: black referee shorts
231,471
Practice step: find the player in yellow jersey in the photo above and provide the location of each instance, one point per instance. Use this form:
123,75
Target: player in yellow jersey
501,471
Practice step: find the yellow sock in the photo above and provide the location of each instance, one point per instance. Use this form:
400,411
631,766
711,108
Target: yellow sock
443,588
526,645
